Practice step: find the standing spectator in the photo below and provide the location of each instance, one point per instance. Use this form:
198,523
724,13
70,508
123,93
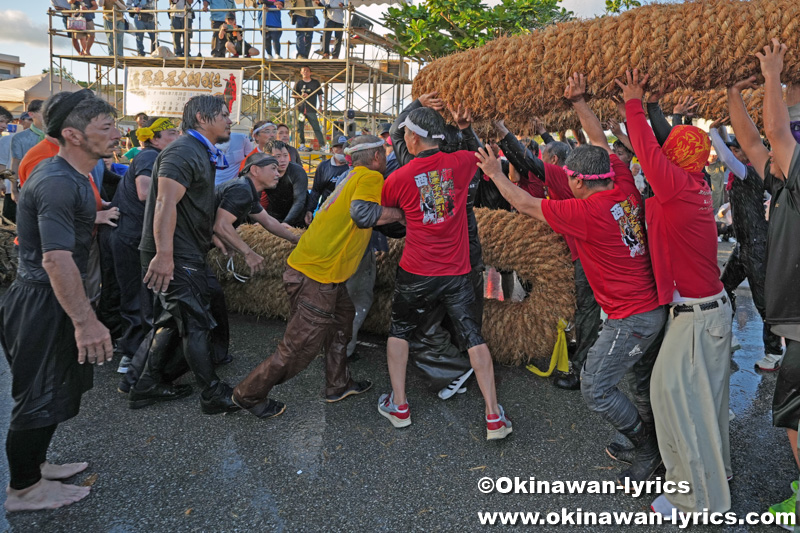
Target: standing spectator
306,91
235,150
287,201
303,20
233,36
5,152
114,23
141,120
64,5
84,40
334,19
272,34
284,135
49,374
217,20
144,21
20,144
180,19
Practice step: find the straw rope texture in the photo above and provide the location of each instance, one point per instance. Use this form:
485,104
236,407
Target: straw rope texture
516,333
701,45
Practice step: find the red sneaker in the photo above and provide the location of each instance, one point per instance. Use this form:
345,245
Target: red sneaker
498,426
398,415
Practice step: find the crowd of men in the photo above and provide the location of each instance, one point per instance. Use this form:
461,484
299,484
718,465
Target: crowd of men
119,264
226,38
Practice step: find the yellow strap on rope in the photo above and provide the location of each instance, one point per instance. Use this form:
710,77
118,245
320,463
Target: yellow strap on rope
560,358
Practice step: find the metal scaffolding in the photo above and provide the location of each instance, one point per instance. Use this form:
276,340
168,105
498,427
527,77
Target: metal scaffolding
372,81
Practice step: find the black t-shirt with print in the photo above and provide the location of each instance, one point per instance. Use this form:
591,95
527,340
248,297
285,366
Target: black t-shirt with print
56,211
186,161
239,198
782,289
307,88
131,209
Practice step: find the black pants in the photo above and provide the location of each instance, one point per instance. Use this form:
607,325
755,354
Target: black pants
136,302
747,262
10,208
786,400
178,23
108,308
587,317
337,45
26,450
217,45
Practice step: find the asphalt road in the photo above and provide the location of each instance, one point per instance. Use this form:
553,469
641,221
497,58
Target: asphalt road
342,467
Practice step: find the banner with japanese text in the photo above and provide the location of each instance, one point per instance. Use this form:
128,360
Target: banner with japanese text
162,92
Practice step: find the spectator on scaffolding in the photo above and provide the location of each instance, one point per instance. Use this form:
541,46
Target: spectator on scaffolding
303,19
114,23
306,91
82,41
233,36
284,136
272,32
180,20
64,5
218,20
144,21
334,19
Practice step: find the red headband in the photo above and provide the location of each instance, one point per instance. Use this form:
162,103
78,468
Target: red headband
608,175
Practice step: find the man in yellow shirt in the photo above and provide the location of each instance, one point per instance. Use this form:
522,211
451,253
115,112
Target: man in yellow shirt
321,313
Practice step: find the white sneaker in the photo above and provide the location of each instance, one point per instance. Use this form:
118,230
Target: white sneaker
735,344
662,506
455,386
719,237
769,363
269,56
731,239
123,365
731,415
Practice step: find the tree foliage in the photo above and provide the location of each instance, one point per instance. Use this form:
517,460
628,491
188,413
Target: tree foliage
437,28
617,6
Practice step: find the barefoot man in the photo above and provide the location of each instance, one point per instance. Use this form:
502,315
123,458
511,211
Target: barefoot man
48,329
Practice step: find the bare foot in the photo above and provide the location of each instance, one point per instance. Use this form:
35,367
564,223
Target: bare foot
45,494
62,471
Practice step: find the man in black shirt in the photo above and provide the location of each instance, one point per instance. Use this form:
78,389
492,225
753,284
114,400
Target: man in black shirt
177,233
306,91
287,201
135,300
238,199
326,177
48,329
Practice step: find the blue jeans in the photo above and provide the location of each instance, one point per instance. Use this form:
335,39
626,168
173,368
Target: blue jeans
115,43
627,344
304,37
142,25
177,37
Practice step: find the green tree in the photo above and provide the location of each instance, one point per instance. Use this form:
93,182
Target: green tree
617,6
437,28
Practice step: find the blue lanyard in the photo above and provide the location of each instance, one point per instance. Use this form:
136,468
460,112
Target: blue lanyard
215,155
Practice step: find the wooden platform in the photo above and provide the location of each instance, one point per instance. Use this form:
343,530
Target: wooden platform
322,69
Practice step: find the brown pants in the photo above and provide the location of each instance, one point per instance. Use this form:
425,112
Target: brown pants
321,317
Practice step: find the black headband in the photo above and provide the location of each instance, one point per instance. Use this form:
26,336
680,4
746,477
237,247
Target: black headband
260,163
58,113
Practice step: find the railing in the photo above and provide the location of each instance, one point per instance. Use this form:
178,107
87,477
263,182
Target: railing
253,33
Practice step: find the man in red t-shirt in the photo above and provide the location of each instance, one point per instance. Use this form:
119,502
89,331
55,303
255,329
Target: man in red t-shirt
605,219
432,192
689,386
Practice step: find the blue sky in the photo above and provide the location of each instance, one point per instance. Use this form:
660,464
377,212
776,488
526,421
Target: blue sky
25,31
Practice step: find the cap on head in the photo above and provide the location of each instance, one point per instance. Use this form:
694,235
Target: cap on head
340,141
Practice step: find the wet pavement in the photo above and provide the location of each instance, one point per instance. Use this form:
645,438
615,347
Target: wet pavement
343,467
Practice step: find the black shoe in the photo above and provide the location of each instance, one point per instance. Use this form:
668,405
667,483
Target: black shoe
124,387
157,393
358,387
646,457
567,381
269,408
620,452
218,400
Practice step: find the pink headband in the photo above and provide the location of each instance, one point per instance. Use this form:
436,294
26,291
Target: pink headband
608,175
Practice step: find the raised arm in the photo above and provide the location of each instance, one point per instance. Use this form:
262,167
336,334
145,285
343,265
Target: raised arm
725,155
743,127
776,114
521,200
520,157
401,152
575,91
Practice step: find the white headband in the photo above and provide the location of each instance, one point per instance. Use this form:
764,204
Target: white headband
416,129
261,127
365,146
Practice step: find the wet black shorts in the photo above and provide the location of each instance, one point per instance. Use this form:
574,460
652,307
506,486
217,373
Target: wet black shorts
39,341
415,296
786,401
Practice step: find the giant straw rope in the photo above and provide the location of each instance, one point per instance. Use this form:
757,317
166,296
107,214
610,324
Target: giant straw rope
515,332
701,45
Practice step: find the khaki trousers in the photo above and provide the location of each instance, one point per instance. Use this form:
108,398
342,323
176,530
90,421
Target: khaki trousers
689,392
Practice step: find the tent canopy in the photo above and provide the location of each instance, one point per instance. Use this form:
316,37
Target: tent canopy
17,93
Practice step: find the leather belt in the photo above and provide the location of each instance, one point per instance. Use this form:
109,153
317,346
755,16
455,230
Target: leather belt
678,309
